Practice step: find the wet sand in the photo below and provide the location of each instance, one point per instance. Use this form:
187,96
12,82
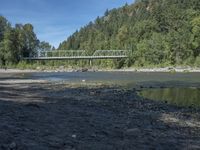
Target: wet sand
52,116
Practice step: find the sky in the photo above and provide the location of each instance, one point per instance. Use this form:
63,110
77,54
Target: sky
55,20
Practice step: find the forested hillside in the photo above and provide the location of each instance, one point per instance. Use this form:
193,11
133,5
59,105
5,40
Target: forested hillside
159,32
17,42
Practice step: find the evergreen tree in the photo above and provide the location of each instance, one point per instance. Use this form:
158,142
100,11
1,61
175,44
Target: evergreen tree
156,31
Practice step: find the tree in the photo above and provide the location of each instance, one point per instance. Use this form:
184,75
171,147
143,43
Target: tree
4,25
10,47
31,41
122,35
44,46
196,33
154,50
180,46
157,31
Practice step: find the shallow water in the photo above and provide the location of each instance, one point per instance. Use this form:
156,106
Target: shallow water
177,96
177,86
115,77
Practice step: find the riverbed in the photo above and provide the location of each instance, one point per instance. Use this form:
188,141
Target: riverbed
95,111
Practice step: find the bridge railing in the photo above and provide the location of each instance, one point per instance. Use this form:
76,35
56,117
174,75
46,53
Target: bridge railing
111,53
61,53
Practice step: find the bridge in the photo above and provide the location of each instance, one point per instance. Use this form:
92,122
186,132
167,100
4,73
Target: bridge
78,54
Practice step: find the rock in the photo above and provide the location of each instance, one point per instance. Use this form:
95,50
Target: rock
77,70
61,67
32,105
93,135
74,136
92,93
13,146
133,131
27,130
170,68
84,70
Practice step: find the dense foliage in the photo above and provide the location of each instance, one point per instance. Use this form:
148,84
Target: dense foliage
159,32
17,42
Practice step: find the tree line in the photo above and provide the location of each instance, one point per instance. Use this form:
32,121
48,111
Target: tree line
159,32
18,42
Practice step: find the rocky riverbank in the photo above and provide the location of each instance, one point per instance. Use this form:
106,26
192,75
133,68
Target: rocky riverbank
157,69
63,69
64,116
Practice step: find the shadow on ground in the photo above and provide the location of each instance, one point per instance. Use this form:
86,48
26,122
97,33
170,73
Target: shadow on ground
57,116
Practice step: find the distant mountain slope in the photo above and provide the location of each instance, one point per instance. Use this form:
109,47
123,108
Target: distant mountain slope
158,31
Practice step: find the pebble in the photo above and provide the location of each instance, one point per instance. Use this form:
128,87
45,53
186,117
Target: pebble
133,131
92,93
13,146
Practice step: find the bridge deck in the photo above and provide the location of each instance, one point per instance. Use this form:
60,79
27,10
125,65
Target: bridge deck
75,57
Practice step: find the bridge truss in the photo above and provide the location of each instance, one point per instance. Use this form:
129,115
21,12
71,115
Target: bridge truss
79,54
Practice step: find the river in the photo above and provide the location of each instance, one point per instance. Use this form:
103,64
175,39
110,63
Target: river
108,77
175,88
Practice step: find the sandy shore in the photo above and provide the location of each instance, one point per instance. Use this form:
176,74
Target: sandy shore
61,116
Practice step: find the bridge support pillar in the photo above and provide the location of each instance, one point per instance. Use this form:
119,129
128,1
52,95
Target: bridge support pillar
90,62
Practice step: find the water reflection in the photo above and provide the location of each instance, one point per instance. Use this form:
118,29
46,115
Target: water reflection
177,96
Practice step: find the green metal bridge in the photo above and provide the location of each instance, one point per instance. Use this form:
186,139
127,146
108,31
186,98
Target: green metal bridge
79,54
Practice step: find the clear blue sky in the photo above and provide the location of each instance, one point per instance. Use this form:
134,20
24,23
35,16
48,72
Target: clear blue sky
55,20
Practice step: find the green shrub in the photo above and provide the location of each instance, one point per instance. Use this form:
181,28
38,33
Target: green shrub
197,61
